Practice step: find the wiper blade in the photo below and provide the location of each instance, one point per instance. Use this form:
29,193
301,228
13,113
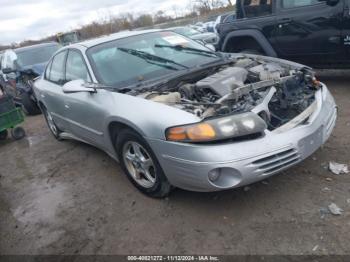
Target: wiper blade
150,57
191,49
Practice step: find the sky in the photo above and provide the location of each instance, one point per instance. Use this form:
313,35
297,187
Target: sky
33,19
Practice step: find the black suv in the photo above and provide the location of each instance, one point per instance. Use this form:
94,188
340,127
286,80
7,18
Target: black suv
311,32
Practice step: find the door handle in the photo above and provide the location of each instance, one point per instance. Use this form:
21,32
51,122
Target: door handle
66,106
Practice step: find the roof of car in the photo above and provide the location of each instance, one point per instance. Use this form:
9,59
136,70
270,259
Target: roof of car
26,48
111,37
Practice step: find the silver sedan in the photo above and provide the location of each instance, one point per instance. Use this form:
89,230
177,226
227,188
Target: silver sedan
176,114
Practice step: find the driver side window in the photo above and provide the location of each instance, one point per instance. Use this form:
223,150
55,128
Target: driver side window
76,67
56,74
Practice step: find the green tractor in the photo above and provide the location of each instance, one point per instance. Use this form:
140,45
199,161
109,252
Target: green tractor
68,38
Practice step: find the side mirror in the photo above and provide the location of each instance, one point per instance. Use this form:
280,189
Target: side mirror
8,70
76,86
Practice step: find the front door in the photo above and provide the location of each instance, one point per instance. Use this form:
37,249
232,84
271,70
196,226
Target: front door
85,110
309,31
53,95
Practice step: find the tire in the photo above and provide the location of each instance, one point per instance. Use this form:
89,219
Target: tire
3,134
29,106
141,165
18,133
55,131
251,52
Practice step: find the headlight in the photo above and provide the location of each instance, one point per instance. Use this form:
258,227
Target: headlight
217,129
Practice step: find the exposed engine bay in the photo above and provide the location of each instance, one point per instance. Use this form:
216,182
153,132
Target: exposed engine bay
276,92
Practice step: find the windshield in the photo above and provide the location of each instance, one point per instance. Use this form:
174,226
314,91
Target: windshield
134,59
38,55
186,31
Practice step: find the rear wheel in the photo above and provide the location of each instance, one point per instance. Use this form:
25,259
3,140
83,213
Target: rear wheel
18,133
28,105
141,165
51,124
3,135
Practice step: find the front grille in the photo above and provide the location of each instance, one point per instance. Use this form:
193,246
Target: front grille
276,162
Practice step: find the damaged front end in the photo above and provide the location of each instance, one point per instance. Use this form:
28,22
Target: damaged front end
278,93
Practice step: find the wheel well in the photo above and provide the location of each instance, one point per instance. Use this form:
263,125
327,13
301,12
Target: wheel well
240,43
114,129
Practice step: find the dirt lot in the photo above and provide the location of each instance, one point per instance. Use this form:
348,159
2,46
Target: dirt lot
70,198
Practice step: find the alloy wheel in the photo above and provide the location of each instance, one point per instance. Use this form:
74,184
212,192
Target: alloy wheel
139,164
51,123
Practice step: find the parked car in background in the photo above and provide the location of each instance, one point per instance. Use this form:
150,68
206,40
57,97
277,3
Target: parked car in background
209,26
314,32
20,66
206,38
176,114
223,18
1,56
200,29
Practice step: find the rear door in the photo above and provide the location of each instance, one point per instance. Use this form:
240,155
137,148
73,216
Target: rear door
309,31
51,91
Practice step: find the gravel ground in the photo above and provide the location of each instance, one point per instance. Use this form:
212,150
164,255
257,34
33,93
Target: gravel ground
70,198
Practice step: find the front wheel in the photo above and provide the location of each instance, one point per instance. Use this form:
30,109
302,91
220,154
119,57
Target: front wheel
51,124
141,165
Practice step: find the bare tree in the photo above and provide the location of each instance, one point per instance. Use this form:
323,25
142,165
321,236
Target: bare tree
175,9
205,6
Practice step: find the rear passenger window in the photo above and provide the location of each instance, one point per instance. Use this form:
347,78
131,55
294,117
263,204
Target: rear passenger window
76,67
256,8
299,3
47,72
57,69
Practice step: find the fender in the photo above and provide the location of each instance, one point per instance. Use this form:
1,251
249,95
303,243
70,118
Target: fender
256,35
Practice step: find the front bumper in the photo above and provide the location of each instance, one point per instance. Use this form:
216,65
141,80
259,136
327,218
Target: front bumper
187,165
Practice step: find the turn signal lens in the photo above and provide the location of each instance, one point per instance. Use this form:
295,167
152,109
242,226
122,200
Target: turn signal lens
195,133
201,132
177,134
